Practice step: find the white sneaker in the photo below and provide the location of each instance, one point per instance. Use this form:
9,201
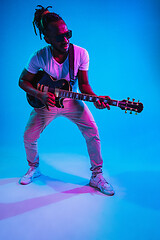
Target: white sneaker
33,172
100,182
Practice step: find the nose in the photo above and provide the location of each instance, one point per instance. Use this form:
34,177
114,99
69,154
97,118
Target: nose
66,40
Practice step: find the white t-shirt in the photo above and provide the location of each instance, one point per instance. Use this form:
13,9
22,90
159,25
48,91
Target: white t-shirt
43,59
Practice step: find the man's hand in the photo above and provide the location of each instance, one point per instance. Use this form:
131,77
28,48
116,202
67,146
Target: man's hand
47,98
101,105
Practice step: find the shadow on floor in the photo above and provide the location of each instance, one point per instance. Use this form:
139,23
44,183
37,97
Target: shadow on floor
62,191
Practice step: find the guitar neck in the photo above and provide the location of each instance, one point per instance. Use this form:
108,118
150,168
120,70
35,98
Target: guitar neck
84,97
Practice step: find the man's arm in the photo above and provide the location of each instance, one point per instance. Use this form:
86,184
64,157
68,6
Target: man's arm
48,99
83,82
85,87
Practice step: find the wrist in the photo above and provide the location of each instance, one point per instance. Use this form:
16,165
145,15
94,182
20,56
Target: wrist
38,94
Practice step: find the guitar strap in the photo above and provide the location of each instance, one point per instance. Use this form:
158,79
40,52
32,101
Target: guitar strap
71,65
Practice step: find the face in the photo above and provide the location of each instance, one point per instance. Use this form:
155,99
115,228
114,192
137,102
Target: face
58,36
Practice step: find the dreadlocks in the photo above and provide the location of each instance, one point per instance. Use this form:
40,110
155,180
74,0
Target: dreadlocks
42,18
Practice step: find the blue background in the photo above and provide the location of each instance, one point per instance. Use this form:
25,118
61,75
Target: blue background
122,38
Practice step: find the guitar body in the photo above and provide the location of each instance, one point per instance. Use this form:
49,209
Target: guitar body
49,85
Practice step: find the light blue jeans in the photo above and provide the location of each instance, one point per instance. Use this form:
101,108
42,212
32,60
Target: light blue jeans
77,112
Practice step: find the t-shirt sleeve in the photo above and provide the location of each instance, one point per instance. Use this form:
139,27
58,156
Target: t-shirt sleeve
33,65
84,61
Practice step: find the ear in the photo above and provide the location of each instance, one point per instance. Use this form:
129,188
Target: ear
46,39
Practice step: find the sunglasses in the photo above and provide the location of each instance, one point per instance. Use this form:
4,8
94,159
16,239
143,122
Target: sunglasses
60,37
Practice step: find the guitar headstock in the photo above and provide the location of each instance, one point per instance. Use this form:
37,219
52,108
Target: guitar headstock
131,105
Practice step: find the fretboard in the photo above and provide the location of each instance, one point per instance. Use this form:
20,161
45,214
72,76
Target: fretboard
83,97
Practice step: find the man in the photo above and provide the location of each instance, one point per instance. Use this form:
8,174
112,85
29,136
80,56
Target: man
54,60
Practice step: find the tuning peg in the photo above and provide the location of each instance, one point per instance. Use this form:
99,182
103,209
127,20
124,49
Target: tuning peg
138,102
136,113
128,98
130,112
126,111
133,101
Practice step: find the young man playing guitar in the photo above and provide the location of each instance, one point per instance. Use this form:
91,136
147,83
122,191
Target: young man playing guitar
54,60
